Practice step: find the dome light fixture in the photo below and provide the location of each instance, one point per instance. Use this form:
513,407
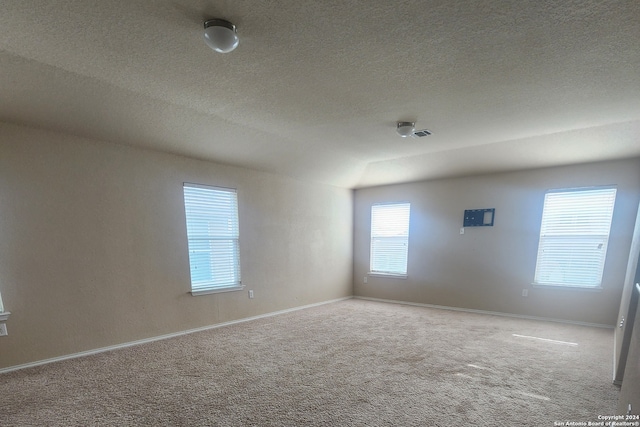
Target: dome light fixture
220,35
405,129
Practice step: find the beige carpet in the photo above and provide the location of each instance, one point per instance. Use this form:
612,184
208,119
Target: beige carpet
351,363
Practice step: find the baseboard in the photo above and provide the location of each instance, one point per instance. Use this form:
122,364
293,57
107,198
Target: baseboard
493,313
163,337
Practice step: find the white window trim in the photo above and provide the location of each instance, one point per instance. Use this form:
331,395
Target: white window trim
215,289
576,286
561,287
4,315
387,275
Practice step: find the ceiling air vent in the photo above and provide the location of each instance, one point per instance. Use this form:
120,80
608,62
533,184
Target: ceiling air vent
421,133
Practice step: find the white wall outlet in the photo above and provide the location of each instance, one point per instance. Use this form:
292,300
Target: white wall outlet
462,230
251,294
3,330
525,292
365,279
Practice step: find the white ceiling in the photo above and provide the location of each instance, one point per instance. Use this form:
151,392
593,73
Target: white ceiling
315,87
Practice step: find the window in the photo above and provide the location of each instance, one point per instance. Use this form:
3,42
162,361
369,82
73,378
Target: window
212,232
574,236
389,238
4,315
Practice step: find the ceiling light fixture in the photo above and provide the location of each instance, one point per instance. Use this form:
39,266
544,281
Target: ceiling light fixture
220,35
405,129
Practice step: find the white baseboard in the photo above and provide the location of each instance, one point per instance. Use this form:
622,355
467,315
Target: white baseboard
162,337
493,313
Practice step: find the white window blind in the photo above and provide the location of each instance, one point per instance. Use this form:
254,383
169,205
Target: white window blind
212,232
389,238
573,237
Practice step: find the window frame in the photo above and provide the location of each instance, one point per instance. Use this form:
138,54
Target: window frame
232,236
586,235
4,315
402,273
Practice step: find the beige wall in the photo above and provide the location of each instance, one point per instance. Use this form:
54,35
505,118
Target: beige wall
93,246
488,267
630,392
627,310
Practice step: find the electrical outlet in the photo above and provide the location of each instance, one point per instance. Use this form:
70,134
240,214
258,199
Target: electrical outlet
3,330
250,294
525,292
365,279
462,230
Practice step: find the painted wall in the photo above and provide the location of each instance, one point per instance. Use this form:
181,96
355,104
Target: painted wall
487,268
93,248
627,312
630,391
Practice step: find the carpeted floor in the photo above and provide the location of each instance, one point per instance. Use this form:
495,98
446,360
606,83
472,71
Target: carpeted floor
351,363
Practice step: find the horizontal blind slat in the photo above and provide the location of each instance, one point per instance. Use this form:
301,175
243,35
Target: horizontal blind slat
389,238
213,236
573,237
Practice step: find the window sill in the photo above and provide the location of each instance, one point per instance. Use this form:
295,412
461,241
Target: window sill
387,275
568,287
216,291
4,316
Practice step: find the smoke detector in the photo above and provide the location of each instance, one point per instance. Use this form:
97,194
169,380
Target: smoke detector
406,129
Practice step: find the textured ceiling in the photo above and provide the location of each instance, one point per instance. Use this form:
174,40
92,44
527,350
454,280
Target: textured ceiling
315,87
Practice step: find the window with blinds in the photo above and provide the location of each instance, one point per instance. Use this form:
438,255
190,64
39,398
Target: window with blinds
573,237
212,233
389,238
